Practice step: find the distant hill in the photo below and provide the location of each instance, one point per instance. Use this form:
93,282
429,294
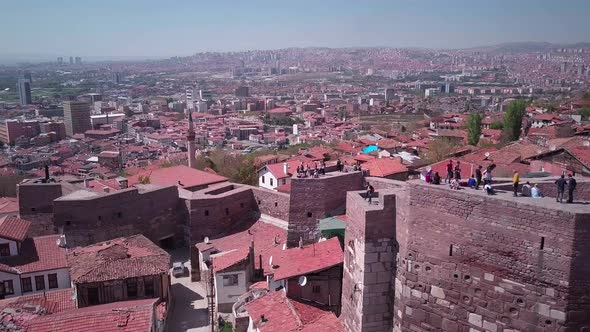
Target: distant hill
517,47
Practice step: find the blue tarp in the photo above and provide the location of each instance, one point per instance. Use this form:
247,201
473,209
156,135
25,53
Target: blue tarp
369,149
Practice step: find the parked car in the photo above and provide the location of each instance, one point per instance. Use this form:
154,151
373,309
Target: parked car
178,269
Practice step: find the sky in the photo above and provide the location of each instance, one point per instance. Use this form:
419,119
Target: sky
158,28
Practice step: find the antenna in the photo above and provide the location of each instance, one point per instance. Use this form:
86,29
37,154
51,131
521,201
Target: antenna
302,281
207,240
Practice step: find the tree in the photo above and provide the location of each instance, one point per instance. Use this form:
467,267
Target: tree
474,128
513,119
439,149
585,112
144,179
498,125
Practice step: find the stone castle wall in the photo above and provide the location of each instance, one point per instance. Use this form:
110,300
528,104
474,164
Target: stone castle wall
156,213
476,263
315,198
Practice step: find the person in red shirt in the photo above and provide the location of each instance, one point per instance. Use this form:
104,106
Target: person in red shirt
449,172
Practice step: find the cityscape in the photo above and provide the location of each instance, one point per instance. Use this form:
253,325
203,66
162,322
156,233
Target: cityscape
272,175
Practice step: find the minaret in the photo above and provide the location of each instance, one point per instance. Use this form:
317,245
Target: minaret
190,138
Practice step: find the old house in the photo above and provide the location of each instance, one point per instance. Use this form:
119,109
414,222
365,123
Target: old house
30,265
119,270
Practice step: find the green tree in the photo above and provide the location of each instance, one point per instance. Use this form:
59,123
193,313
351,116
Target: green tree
513,119
498,125
585,112
474,128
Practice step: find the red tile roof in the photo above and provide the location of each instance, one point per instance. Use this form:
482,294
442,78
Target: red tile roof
268,240
8,205
53,301
582,153
168,176
384,167
283,314
228,259
14,228
126,316
121,258
309,259
39,254
278,169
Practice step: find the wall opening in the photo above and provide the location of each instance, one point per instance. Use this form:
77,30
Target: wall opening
542,242
451,250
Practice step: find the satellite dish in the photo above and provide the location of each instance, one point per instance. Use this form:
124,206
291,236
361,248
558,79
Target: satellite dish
207,240
322,239
302,281
284,246
487,154
270,261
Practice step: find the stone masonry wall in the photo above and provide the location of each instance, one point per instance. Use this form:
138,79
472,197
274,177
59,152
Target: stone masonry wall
312,199
272,203
155,214
480,263
549,189
369,254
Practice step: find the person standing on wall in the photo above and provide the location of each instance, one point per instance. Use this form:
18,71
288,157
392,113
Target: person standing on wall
571,186
478,176
515,181
560,188
449,172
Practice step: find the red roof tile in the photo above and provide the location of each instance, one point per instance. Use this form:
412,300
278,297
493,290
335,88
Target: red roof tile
126,316
228,259
8,205
283,314
268,240
14,228
582,153
384,167
170,176
53,301
121,258
39,254
309,259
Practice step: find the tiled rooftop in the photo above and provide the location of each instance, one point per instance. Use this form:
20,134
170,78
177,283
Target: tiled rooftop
13,228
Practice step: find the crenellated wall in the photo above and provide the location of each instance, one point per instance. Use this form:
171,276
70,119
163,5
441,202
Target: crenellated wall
315,198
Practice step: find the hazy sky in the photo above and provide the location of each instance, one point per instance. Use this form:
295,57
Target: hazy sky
170,27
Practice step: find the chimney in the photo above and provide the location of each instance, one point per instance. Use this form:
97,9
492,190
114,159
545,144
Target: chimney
46,173
86,183
251,256
106,190
285,168
300,242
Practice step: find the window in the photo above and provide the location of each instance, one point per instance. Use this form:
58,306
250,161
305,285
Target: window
119,215
39,282
8,287
93,295
131,288
4,249
206,213
52,280
316,289
284,181
309,214
271,182
99,217
227,211
27,286
263,179
230,280
149,287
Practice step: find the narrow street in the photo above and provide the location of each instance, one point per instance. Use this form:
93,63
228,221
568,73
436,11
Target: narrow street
190,311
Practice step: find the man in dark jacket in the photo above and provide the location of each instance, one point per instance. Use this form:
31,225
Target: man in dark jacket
561,182
571,186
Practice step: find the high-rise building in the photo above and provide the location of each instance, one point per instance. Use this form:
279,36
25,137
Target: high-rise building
389,93
23,87
78,60
190,140
205,94
190,98
76,117
60,60
71,60
242,91
116,78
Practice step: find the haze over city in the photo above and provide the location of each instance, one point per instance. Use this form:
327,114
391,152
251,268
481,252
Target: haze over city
130,29
301,166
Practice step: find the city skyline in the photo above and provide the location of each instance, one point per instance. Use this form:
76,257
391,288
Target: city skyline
154,30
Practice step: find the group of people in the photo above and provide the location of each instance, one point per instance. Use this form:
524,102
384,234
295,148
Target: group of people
306,171
562,183
340,166
453,177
